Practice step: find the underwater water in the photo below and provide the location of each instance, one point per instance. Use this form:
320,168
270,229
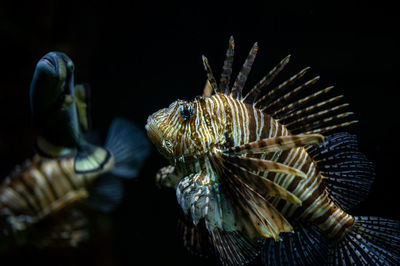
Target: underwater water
136,65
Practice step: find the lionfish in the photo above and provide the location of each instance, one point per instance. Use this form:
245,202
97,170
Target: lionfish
46,195
264,172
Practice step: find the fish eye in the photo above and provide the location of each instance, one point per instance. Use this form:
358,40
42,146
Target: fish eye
186,112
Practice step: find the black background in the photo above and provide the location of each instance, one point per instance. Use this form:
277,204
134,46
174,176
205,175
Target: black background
140,57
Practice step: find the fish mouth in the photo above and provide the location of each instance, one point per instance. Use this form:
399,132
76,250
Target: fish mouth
153,131
156,136
49,62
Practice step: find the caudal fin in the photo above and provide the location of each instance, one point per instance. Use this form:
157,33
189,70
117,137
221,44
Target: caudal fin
129,146
373,241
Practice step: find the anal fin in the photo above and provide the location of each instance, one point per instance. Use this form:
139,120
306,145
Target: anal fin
306,245
234,248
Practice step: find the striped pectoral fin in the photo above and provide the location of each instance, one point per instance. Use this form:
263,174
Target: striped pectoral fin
262,186
275,144
254,208
268,221
257,164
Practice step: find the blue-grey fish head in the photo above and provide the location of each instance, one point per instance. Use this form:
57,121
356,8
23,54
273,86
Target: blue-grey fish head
53,78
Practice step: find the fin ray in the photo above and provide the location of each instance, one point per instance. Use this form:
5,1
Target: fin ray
262,186
244,72
275,144
347,173
227,68
372,241
254,93
305,246
210,77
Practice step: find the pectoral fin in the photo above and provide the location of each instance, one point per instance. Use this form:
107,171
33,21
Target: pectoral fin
275,144
256,164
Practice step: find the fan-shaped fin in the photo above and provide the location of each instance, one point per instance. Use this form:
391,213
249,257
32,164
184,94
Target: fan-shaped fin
257,164
347,173
243,74
234,248
307,245
261,185
263,216
372,241
275,144
254,93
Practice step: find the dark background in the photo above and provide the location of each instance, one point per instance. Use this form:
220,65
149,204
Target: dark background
140,57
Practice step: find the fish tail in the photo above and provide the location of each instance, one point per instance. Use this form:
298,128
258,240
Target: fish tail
371,241
129,147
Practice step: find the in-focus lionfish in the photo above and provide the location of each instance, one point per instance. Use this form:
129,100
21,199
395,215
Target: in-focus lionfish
46,192
253,167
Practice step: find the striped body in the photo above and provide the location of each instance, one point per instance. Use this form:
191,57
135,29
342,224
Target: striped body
41,188
223,121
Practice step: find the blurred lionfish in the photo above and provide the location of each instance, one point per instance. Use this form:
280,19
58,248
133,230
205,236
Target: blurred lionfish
252,168
43,194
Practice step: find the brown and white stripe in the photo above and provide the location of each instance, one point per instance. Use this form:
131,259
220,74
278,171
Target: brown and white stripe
42,187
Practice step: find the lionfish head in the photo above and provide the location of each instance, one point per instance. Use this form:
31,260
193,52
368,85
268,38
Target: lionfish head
173,130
